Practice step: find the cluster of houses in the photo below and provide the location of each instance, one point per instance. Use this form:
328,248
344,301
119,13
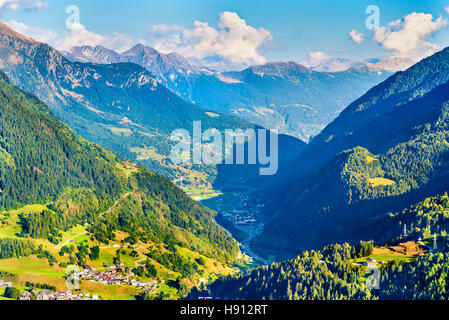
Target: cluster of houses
245,211
56,295
115,275
5,284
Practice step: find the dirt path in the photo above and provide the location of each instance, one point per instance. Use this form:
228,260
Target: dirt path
115,204
67,242
144,258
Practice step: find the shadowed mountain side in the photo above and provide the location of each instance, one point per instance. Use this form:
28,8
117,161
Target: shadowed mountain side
249,175
403,151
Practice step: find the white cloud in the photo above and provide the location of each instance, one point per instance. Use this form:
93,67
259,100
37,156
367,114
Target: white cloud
447,9
234,39
78,35
35,33
356,36
14,5
407,37
316,58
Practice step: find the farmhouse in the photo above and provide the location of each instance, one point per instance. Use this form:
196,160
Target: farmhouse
4,284
370,262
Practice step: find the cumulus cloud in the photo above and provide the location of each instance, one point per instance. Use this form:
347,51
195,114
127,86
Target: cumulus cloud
78,35
356,36
14,5
35,33
407,37
316,58
234,39
447,9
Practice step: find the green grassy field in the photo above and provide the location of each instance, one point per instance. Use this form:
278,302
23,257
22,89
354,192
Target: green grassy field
386,258
202,194
9,226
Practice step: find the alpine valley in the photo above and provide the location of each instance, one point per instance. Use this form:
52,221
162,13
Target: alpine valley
93,207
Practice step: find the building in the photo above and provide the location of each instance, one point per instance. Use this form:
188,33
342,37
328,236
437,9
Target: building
370,262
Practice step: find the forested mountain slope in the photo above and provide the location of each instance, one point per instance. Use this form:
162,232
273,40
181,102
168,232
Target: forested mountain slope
386,151
336,271
42,161
120,106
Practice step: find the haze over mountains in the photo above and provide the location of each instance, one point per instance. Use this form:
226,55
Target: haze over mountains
391,64
384,152
286,96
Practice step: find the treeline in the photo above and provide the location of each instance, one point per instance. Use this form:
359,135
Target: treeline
43,161
15,248
428,217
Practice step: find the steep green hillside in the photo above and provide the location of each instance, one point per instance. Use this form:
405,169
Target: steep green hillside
325,275
47,163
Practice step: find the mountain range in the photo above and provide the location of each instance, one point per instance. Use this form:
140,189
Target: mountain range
120,106
286,96
123,107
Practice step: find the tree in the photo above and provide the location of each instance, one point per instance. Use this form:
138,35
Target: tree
12,293
94,253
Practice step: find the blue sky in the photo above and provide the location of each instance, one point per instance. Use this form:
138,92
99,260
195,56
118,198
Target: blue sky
292,29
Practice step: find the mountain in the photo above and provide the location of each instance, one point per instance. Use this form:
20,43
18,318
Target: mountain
121,106
170,69
386,151
284,96
66,181
390,64
295,99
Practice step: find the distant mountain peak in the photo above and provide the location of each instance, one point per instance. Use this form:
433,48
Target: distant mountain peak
393,64
280,68
387,64
141,48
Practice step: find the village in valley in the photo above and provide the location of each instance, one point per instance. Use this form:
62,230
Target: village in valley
116,275
245,211
48,295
